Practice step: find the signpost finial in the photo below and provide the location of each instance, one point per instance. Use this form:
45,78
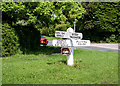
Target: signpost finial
70,30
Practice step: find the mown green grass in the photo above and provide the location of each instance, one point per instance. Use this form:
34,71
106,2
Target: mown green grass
51,38
0,71
90,67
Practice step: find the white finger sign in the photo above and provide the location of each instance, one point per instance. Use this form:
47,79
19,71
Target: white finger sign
81,42
75,35
71,35
61,34
62,43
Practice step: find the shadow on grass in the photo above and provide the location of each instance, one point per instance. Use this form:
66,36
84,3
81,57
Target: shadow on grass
47,50
59,62
63,62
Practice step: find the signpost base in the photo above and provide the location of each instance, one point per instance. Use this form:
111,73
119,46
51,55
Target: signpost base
70,60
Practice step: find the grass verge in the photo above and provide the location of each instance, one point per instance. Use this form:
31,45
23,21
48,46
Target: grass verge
0,71
90,67
51,38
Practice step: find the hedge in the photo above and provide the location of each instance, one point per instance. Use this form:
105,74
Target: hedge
10,43
29,37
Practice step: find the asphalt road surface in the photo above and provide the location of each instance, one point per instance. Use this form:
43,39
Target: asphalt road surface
98,46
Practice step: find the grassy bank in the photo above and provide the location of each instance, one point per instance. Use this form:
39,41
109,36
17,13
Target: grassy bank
51,38
91,67
0,71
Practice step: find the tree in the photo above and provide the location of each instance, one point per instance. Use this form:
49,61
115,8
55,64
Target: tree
107,20
12,12
27,18
107,16
86,22
100,21
54,12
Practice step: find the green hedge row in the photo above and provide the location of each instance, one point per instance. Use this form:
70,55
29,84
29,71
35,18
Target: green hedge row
29,37
10,43
19,39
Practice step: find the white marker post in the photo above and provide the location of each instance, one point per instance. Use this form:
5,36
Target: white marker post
70,60
74,26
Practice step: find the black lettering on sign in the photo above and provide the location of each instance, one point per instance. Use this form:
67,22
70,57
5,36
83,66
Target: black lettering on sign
61,43
57,32
59,35
63,33
81,42
74,34
78,37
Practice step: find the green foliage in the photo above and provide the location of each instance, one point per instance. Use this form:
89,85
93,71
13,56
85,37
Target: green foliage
12,12
10,44
62,27
29,37
107,16
69,11
100,21
86,22
20,17
51,38
50,31
112,38
44,31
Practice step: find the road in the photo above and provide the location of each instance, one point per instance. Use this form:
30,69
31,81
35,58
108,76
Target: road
98,46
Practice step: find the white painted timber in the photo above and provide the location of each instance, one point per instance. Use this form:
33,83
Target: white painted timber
70,58
81,42
62,43
71,35
61,34
70,29
76,35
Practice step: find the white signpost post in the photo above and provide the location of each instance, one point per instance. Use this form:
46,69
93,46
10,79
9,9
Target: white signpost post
74,39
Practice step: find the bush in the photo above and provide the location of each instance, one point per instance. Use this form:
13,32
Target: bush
10,44
62,27
44,31
111,39
50,31
29,37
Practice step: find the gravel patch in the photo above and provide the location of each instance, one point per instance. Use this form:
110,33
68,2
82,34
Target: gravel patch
106,45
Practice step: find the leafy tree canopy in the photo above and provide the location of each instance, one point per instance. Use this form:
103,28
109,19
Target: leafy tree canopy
42,13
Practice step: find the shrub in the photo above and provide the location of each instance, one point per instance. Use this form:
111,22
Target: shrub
112,38
50,31
10,44
44,31
29,37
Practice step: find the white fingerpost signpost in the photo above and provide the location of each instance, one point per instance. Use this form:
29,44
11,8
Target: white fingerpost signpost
73,39
70,60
